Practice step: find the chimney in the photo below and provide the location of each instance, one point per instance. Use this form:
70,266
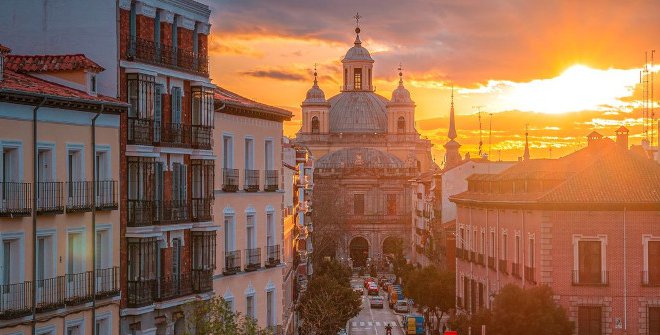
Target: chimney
622,137
593,138
3,52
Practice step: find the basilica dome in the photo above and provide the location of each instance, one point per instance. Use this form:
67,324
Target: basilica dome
358,158
358,112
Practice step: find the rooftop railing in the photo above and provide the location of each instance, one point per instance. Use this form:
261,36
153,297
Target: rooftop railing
148,51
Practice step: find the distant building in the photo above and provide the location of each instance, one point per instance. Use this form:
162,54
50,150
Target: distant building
366,149
585,224
73,146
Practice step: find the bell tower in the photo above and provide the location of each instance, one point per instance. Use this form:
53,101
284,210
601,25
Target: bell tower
315,110
401,110
357,65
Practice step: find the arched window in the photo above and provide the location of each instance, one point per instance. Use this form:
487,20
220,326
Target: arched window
357,79
401,125
315,125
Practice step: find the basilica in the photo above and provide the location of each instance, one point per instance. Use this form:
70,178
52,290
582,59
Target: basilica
367,150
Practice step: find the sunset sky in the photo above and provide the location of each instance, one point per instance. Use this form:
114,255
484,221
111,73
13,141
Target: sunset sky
563,67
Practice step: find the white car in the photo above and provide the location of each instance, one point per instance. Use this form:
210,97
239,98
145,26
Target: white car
402,306
358,289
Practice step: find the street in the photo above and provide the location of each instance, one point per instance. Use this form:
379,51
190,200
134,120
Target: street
373,321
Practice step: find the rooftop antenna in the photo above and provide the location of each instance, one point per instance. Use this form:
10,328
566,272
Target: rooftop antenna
481,141
644,80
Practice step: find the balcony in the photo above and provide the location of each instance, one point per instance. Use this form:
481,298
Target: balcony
232,262
515,270
50,197
202,280
473,257
107,282
230,180
583,278
502,266
252,259
491,263
175,135
140,293
79,288
273,255
106,195
530,275
201,209
174,286
480,260
79,196
15,199
50,294
15,300
148,51
171,212
140,131
140,213
202,137
651,279
251,183
272,181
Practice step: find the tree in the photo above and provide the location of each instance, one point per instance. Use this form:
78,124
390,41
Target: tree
334,269
327,199
432,289
327,305
215,317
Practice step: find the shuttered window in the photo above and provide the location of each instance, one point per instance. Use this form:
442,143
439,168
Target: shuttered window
177,98
589,320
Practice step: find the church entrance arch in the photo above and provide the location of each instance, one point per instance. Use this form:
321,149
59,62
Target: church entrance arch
359,251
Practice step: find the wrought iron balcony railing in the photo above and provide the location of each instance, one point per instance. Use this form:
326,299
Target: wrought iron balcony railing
174,286
515,270
201,209
149,51
229,180
107,282
273,255
252,259
170,212
140,131
251,183
176,135
15,300
272,181
15,199
503,266
491,262
140,213
583,278
79,287
50,294
480,260
140,293
232,262
530,274
79,196
650,279
202,137
106,195
50,198
202,280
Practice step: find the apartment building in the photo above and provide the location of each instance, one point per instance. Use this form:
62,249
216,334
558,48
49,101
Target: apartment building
585,224
248,201
59,205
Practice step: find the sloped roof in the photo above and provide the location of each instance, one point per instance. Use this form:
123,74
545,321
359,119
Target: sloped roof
50,63
235,100
4,49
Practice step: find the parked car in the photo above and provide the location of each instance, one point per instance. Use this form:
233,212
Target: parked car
358,289
373,289
401,306
376,302
367,281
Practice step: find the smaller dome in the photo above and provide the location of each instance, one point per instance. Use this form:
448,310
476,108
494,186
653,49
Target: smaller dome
358,52
401,95
315,93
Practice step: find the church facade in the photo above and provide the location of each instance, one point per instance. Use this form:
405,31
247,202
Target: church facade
367,150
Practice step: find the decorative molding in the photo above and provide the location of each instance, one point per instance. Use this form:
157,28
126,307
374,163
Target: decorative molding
145,10
187,23
203,28
125,4
166,16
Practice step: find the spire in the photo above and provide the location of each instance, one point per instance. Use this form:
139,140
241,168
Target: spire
357,18
526,153
315,75
400,74
452,122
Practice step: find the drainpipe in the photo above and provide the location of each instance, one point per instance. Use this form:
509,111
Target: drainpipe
522,247
497,252
35,171
625,277
94,218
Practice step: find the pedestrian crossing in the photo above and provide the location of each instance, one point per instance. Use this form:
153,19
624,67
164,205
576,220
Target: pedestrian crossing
369,324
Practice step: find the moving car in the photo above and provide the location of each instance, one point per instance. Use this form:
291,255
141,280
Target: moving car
367,281
376,302
401,306
357,288
373,289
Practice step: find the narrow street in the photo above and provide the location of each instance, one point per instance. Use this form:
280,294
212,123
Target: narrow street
373,321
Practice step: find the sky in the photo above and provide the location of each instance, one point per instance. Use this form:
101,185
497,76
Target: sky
559,68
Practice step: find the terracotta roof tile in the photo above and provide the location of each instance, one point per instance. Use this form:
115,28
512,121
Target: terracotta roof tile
4,49
50,63
231,98
14,82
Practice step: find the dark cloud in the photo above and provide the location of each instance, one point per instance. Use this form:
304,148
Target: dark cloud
276,74
468,41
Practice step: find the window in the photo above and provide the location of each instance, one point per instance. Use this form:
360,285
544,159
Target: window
345,78
11,252
179,183
505,251
315,125
270,230
102,171
268,155
461,233
103,326
177,97
158,110
249,306
141,96
589,262
401,125
391,204
10,170
653,263
92,83
250,232
230,232
654,320
531,253
228,152
44,259
517,249
269,309
249,154
203,250
475,241
74,166
589,320
202,106
176,257
357,78
491,247
482,249
358,204
45,168
141,258
75,253
73,330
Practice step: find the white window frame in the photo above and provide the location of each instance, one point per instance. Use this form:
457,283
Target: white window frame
228,155
46,330
269,154
249,152
646,238
19,237
80,149
108,255
230,231
271,229
80,323
250,292
251,240
50,147
83,247
270,288
229,298
603,248
106,170
107,317
13,145
52,234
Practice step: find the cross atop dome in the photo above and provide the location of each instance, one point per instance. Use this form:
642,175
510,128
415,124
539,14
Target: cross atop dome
400,68
357,18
